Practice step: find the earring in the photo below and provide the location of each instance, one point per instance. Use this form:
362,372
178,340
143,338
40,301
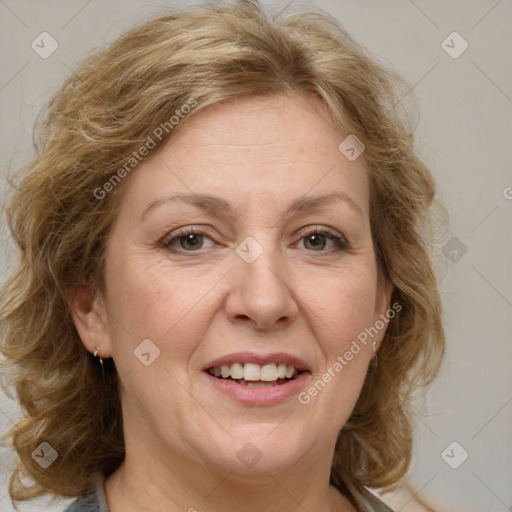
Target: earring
374,358
97,354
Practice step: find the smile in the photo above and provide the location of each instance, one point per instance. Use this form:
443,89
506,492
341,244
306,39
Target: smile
256,391
253,374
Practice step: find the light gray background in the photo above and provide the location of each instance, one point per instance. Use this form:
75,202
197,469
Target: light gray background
465,136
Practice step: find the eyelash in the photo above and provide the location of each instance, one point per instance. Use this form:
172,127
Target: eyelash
339,241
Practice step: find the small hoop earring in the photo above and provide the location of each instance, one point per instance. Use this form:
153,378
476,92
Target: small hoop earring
374,358
97,354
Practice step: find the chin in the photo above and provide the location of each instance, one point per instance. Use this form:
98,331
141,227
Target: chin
258,451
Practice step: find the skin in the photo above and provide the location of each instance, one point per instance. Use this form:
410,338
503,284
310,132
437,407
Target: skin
182,436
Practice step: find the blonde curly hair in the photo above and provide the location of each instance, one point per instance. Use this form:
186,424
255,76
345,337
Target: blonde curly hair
102,113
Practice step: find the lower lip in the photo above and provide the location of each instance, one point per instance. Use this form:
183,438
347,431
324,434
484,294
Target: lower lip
264,395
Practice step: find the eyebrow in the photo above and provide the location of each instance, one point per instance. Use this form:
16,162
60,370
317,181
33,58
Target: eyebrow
218,206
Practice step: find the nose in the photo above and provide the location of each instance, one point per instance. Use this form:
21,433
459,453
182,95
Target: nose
260,292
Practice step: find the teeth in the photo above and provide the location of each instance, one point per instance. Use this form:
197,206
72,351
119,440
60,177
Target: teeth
253,372
269,372
225,371
237,371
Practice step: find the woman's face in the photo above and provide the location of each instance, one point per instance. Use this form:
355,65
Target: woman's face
225,249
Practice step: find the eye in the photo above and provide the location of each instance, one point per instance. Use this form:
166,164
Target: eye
317,239
189,240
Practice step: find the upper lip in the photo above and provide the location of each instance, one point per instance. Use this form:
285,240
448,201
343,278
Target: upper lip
261,359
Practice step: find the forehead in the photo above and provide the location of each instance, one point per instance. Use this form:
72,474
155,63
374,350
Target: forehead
254,150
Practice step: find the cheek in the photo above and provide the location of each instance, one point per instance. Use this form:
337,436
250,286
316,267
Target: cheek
157,303
341,313
343,306
351,310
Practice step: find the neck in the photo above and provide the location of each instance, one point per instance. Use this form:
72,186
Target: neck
162,478
135,486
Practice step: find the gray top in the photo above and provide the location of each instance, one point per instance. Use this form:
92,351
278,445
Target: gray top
374,504
91,501
95,501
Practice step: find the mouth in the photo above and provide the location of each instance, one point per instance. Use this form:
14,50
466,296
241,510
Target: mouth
256,379
256,375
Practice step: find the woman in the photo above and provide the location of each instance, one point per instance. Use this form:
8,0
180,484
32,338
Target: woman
224,293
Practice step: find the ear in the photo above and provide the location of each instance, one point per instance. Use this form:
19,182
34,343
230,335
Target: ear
382,307
90,318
